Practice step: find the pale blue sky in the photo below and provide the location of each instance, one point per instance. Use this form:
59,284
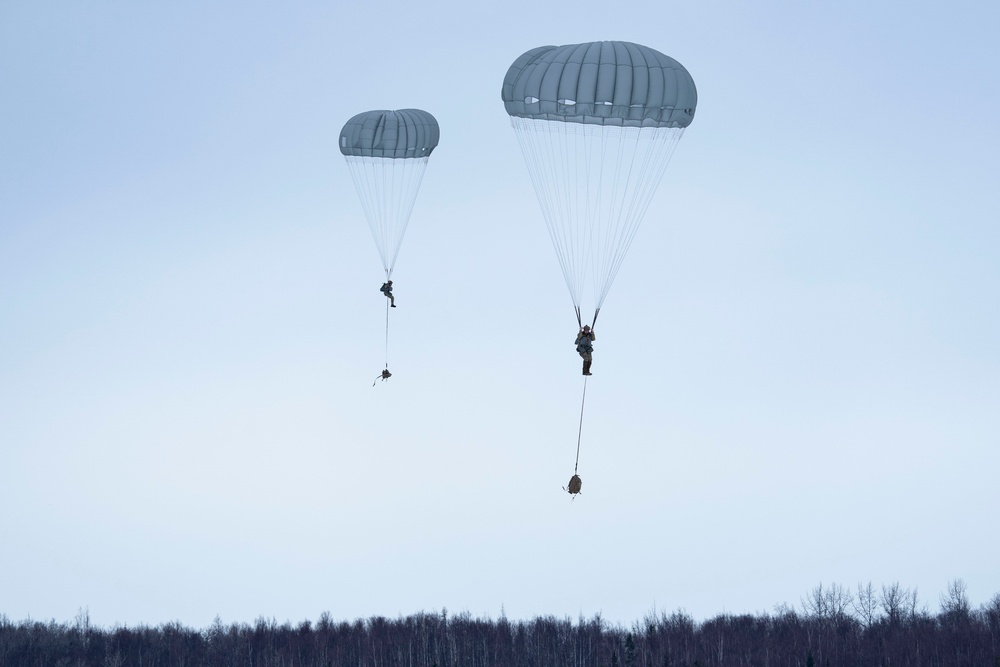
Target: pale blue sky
797,376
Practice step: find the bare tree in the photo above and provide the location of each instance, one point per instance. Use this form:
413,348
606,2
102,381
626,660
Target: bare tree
910,597
955,601
991,614
814,604
838,600
892,600
832,602
866,604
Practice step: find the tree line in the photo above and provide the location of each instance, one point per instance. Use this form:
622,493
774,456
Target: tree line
833,626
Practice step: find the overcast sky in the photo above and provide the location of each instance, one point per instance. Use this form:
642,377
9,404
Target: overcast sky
796,379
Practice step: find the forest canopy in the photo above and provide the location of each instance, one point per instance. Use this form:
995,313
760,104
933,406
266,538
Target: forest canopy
833,625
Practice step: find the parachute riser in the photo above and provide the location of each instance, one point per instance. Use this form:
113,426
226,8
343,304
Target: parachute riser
579,317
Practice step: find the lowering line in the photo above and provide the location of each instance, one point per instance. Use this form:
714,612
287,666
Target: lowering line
385,374
387,333
388,277
579,433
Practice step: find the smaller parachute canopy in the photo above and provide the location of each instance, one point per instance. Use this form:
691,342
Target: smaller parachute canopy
600,83
406,133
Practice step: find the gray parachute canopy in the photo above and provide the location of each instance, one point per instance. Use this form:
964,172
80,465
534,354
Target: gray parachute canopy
405,133
601,83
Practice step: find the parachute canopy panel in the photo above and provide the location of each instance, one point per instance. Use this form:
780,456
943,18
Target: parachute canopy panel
405,133
601,83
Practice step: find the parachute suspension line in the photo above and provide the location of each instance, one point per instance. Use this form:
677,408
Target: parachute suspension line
552,163
610,158
642,160
594,184
657,148
618,160
387,188
586,164
363,173
579,433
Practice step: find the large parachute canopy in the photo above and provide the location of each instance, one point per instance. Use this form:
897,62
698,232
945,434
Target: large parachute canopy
597,124
387,152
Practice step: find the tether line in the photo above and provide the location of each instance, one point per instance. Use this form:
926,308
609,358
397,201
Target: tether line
387,333
579,433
